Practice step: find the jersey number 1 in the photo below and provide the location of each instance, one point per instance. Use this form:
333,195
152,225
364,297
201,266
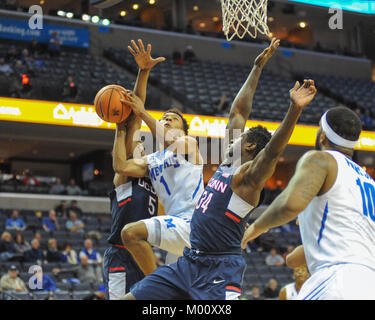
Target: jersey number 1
162,180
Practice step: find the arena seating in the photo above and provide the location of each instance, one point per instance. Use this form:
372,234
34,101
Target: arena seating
90,73
256,273
354,92
200,84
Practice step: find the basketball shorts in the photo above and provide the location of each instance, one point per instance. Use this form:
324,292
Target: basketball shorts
346,281
209,277
169,233
120,272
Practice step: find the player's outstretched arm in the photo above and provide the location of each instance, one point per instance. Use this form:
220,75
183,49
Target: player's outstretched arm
125,139
242,104
311,172
145,63
258,171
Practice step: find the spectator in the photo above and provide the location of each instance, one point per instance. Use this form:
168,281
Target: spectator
50,223
12,54
5,67
20,244
177,57
14,222
72,189
54,45
30,179
274,259
7,250
73,224
62,210
75,208
47,283
189,54
255,293
291,290
57,188
70,90
35,254
190,28
69,255
11,281
85,272
35,48
271,291
53,254
14,179
93,256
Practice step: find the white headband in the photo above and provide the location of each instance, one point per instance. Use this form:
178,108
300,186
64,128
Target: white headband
334,137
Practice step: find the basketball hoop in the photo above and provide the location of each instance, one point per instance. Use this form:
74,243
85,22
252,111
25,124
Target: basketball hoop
241,17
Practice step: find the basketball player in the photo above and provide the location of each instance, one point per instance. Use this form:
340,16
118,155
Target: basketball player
333,198
213,267
176,173
132,199
290,291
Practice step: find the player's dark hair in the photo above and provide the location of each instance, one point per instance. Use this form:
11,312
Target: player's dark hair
178,112
258,135
345,123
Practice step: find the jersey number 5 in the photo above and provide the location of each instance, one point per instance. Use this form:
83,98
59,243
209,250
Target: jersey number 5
151,205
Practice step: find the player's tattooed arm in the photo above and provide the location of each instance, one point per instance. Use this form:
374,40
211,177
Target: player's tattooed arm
311,173
242,104
258,171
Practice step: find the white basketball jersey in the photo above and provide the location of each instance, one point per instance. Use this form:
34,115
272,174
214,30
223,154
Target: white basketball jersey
339,226
178,182
291,291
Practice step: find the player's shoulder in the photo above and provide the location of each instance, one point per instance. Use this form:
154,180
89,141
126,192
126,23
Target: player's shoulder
321,158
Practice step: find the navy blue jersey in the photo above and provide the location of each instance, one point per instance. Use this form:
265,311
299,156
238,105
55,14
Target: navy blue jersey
131,202
219,219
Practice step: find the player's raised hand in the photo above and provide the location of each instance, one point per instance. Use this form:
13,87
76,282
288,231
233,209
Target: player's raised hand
301,96
263,58
134,102
143,57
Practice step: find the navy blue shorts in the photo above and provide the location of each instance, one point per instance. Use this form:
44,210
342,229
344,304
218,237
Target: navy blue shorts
209,277
120,272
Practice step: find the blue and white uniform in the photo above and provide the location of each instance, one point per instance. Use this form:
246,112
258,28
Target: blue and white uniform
130,202
179,185
338,234
213,267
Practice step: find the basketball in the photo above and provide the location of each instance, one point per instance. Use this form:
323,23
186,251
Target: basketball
108,105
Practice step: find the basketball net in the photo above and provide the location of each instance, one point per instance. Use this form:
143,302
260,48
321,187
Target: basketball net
241,17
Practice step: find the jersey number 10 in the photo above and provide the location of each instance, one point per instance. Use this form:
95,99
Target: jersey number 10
367,190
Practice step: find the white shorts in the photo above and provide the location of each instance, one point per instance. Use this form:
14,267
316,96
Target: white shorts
169,233
345,281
